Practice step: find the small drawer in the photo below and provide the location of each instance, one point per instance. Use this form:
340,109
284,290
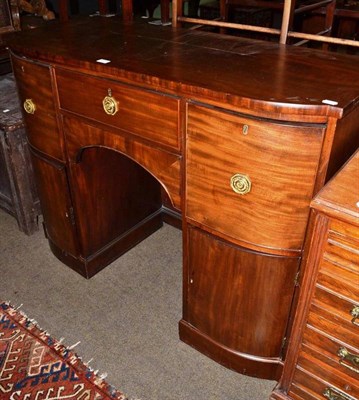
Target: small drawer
36,96
336,279
343,310
305,386
347,231
335,357
341,251
316,364
333,315
149,115
251,179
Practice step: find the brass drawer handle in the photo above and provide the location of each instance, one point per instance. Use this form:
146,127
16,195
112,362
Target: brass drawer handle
334,394
29,106
353,359
110,104
355,314
241,183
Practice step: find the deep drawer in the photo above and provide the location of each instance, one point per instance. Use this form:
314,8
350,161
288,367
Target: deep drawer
149,115
278,160
35,87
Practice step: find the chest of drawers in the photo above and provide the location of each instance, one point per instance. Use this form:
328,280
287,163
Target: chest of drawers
180,124
323,357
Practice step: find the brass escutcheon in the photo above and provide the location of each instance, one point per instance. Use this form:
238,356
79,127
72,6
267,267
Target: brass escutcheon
241,184
109,103
29,106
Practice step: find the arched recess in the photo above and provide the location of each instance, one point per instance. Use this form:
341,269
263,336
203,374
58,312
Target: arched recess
164,190
114,197
165,166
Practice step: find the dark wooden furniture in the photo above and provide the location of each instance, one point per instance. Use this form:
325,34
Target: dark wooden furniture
127,9
298,8
9,22
323,356
237,133
18,194
64,6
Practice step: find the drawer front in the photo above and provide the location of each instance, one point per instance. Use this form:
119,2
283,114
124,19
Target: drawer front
308,387
332,356
150,115
34,83
330,280
333,314
280,161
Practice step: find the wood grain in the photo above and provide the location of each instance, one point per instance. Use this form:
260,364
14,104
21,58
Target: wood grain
34,82
166,167
220,304
204,64
149,115
281,160
330,291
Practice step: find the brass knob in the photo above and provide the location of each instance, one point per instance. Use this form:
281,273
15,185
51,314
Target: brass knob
241,184
355,314
110,105
29,106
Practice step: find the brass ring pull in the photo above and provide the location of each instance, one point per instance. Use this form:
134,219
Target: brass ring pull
334,394
347,357
110,105
355,314
241,184
29,106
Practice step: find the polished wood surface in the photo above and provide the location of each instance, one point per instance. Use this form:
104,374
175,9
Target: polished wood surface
281,160
165,166
342,194
193,109
243,321
42,126
143,113
202,64
326,322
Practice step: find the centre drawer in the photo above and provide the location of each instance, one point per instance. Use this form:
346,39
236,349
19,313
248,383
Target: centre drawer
151,115
251,179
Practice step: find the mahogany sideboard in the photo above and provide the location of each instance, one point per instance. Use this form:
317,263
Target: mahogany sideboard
323,354
129,123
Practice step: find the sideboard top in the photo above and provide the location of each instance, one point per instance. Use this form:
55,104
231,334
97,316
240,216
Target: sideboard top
235,70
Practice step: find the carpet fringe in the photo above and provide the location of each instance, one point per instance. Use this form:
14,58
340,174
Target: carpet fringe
62,349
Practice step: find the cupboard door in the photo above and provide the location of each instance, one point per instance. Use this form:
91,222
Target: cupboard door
53,189
239,298
271,165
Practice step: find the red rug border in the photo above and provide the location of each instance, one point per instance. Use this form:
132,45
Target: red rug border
71,358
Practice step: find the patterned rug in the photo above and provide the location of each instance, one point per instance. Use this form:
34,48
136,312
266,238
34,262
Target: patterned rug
34,366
